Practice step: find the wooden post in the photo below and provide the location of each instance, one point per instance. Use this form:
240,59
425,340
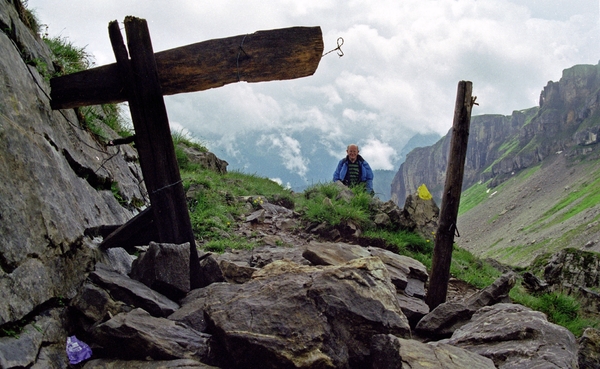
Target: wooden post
153,138
444,238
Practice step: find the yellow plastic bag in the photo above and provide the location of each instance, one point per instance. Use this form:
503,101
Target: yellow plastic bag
424,192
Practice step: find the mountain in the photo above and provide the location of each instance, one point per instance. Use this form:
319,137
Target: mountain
533,172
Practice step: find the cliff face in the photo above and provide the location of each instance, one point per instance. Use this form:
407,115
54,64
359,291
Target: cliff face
567,119
56,180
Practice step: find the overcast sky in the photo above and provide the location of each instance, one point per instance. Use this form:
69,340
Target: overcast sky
402,62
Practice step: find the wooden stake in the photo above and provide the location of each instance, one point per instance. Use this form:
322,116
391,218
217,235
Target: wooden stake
444,238
153,138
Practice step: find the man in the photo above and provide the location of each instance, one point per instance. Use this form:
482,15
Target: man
354,170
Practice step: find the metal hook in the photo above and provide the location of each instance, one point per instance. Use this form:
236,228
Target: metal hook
340,42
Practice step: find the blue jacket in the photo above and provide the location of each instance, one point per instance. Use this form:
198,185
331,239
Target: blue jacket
366,174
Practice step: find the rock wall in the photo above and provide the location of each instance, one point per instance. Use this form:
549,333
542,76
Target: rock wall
56,180
567,119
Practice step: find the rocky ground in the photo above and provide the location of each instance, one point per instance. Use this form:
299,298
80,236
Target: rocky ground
294,234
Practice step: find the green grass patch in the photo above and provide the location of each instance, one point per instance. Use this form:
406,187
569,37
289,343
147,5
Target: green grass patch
324,203
560,309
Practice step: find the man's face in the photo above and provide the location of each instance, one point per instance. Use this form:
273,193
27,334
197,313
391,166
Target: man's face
352,152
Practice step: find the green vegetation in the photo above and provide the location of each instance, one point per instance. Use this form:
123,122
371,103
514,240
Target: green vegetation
219,201
560,309
323,203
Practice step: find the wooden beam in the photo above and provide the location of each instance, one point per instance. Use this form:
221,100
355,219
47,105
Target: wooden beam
444,238
138,231
279,54
153,137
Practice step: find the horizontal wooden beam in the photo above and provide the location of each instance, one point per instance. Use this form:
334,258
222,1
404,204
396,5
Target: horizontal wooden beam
280,54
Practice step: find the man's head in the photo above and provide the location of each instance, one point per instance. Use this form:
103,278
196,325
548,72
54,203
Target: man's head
352,151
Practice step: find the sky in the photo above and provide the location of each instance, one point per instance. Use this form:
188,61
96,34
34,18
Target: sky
401,65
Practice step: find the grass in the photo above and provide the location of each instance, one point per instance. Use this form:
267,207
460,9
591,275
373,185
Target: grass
560,309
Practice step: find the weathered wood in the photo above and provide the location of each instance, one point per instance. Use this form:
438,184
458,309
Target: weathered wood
138,231
444,238
153,137
279,54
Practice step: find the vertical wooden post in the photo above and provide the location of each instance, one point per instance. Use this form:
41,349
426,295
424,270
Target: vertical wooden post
444,239
153,137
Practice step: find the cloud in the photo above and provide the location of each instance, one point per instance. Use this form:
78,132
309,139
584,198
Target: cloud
289,151
378,154
398,76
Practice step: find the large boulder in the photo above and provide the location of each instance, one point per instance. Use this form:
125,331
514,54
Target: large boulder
514,336
138,335
292,315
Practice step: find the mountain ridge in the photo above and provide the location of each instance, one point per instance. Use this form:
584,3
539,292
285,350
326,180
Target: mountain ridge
550,149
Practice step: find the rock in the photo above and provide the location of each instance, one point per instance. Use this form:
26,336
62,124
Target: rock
533,284
31,347
573,267
327,253
210,272
118,259
96,304
138,335
292,315
447,317
236,272
55,178
165,268
514,336
206,160
391,352
146,364
423,213
132,292
408,274
413,308
589,349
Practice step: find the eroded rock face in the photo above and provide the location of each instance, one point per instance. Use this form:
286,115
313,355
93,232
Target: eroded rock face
51,189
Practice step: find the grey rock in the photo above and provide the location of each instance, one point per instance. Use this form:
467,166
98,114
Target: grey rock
132,292
423,213
447,317
327,253
413,308
138,335
514,336
391,352
210,272
164,268
588,356
96,304
52,189
236,272
118,259
292,315
408,274
206,160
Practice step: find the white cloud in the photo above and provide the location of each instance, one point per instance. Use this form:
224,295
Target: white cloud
398,76
289,151
378,154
